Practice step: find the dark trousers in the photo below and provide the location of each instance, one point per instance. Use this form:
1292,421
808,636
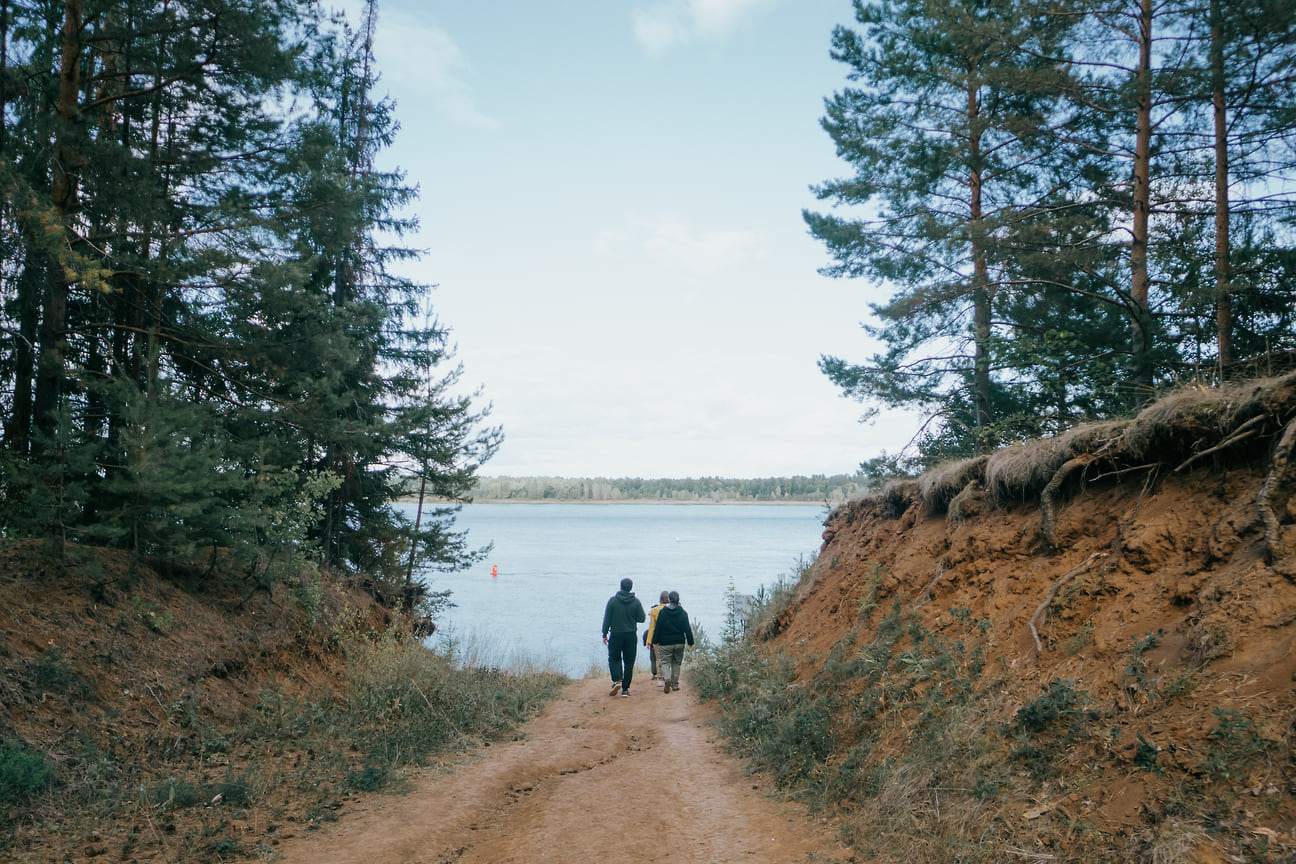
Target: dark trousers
621,657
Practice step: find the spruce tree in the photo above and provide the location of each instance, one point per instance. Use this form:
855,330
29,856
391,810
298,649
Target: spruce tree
211,346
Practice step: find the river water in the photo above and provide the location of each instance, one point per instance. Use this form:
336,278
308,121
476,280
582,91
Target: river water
538,597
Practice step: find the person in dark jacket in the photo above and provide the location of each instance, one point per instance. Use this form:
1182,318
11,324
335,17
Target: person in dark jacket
620,617
671,632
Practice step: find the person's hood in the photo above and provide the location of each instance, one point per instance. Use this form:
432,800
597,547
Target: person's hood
625,596
672,606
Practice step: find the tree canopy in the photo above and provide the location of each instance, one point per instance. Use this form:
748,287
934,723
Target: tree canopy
207,346
1071,205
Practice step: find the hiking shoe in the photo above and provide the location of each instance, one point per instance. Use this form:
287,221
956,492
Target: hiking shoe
625,692
616,688
665,686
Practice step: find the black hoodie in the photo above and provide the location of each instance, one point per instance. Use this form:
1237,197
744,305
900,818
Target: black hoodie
672,627
622,613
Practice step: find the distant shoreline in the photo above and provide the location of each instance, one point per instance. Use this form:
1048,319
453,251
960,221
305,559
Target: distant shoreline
611,502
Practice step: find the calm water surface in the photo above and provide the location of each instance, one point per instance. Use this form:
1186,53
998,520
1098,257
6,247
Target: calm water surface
557,564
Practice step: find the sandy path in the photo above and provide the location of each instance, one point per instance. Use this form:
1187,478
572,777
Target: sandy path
637,779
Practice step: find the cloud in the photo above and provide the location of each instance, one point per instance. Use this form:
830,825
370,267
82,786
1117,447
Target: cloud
666,23
669,241
425,59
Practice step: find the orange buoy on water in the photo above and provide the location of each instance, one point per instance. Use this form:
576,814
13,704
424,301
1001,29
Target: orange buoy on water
494,570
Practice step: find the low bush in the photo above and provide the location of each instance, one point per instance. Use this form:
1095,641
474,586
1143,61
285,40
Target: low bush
24,773
833,740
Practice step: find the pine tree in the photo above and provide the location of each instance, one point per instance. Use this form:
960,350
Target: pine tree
948,129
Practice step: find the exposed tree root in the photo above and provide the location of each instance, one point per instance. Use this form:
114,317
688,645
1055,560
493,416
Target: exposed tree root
1274,484
1129,470
1052,592
926,593
1048,498
1239,434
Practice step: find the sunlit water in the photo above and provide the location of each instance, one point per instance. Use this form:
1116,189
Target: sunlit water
557,564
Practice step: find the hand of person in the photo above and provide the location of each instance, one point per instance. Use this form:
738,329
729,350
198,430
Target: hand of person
604,640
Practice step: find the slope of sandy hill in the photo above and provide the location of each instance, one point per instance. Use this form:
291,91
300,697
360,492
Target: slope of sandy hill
1129,593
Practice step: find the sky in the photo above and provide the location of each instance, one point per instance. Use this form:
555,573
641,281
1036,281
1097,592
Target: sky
610,210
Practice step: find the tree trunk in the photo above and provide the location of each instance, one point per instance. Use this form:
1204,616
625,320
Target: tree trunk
1141,342
1223,265
50,371
4,69
31,289
981,397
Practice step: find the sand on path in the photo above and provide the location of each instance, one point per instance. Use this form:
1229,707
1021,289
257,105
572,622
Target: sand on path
639,779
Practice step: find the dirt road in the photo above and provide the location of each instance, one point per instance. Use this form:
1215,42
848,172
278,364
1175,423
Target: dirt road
638,779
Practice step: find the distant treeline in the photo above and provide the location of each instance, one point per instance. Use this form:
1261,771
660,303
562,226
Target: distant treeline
815,489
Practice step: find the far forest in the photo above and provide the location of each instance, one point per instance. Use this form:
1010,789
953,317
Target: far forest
816,489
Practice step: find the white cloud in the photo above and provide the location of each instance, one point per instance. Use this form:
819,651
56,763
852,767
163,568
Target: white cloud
676,245
425,59
666,23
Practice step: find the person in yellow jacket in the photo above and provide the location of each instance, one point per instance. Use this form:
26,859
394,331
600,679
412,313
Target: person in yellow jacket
648,634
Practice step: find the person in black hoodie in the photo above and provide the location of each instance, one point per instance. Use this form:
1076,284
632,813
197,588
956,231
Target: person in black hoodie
670,633
620,617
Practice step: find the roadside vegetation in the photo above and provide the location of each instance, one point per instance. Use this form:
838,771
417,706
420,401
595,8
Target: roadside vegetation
909,738
211,736
1037,655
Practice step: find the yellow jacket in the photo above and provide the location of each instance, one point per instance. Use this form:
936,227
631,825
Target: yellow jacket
652,622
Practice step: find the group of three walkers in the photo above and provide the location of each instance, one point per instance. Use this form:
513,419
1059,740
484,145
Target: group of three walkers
668,633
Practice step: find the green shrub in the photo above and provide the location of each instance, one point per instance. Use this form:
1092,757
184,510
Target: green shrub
174,794
1059,705
1145,755
1236,745
24,772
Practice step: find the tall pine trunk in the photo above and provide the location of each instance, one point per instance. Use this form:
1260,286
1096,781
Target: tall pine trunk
4,74
31,289
1223,264
50,372
981,395
1140,282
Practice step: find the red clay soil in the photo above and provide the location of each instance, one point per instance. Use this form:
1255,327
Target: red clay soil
1178,556
638,779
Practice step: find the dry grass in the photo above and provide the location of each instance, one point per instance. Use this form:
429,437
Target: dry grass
1017,474
1178,423
939,486
898,495
1178,845
1099,438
